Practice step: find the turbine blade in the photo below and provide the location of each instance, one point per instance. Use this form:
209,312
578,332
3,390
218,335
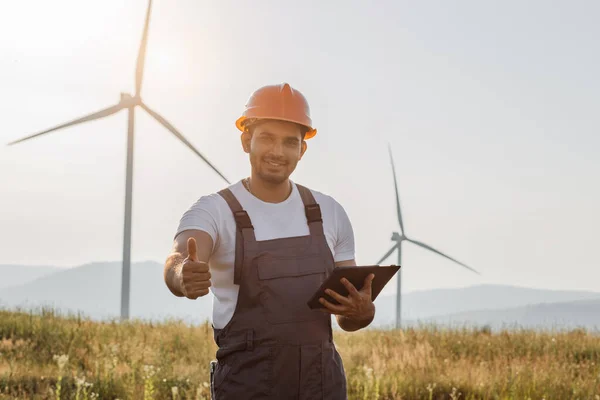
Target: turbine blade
179,136
397,195
141,60
97,115
440,253
390,251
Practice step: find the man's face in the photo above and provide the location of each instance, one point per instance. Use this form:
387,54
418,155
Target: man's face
275,147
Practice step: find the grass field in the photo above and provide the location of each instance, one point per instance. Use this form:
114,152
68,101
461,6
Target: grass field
45,356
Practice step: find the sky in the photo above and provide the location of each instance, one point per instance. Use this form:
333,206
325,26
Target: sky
490,109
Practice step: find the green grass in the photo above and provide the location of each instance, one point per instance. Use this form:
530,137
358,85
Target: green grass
44,355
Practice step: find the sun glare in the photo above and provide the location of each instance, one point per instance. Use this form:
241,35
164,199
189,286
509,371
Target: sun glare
162,59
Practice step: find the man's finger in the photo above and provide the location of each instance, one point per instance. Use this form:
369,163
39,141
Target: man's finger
192,249
368,286
195,267
332,307
198,276
198,285
340,299
199,292
200,268
194,279
194,294
351,289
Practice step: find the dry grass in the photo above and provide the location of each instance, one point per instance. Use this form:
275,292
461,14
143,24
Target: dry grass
138,360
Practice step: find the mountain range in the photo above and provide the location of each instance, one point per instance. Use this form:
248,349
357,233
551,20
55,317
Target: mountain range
94,290
14,275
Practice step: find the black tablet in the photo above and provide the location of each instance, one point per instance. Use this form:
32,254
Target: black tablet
356,275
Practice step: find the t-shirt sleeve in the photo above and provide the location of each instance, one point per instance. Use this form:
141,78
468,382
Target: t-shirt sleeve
344,245
203,216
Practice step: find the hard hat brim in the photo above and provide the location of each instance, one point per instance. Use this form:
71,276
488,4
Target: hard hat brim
239,123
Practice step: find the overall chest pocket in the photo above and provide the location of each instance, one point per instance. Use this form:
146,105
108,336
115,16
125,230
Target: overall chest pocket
287,282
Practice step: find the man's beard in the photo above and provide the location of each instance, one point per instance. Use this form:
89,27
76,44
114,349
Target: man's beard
272,178
275,179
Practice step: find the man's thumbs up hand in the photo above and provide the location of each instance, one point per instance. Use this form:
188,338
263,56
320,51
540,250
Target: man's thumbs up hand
194,278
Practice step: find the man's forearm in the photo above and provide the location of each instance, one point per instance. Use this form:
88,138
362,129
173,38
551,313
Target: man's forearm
172,267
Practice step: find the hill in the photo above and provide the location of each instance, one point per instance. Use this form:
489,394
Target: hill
555,316
95,290
432,305
14,275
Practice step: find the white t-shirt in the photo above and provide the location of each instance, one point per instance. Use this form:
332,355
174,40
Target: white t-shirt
271,221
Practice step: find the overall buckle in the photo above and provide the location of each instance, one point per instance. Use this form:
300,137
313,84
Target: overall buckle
313,213
242,220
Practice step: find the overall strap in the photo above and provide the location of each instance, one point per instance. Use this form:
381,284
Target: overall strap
312,211
244,232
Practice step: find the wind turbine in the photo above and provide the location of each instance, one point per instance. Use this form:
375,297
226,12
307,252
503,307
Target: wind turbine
129,102
398,238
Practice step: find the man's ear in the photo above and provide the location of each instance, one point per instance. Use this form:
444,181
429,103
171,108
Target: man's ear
303,149
246,138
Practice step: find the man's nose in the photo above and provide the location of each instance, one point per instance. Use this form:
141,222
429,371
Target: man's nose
277,149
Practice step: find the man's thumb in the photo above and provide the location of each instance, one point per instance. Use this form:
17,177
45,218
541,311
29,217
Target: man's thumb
191,247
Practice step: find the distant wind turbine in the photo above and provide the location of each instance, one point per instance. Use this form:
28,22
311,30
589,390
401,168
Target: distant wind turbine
129,102
398,238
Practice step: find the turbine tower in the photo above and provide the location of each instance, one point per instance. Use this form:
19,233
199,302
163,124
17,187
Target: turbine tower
398,238
129,102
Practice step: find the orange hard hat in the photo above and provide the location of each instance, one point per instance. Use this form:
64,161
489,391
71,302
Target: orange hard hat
279,102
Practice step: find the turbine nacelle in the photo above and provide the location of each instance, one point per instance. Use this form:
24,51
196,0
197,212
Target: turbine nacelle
396,237
127,100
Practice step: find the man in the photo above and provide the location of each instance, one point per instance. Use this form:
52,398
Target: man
264,245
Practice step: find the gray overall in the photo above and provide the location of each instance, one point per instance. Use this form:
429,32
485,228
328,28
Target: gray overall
275,346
